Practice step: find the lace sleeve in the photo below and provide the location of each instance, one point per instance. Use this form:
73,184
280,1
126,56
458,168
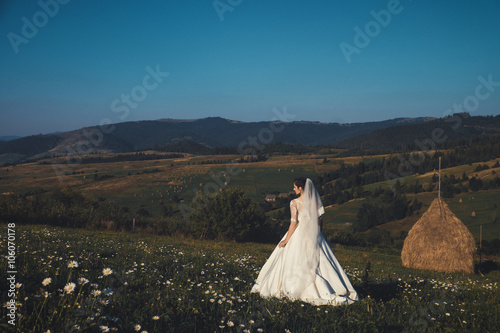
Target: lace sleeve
293,211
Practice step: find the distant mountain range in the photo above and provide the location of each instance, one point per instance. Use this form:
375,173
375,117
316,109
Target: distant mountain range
439,133
219,132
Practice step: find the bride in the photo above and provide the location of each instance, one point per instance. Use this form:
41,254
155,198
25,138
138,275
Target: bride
303,266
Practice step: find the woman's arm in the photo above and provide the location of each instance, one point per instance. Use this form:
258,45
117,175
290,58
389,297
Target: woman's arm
291,230
293,224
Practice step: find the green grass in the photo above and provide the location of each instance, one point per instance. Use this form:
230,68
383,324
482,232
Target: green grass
257,181
485,205
169,284
343,214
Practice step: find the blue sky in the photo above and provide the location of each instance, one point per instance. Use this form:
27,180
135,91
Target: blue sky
240,59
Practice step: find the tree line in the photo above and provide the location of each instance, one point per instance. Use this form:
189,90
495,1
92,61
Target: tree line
395,166
129,157
228,215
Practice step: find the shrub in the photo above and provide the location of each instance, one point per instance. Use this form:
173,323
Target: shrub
229,215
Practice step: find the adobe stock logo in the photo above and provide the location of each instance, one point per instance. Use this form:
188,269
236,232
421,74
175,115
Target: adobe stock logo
29,29
372,29
471,103
225,6
454,117
138,93
93,137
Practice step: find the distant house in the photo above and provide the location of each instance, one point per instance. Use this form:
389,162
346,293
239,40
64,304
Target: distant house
285,195
270,198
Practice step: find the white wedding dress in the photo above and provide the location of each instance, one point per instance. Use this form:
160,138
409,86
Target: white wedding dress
306,267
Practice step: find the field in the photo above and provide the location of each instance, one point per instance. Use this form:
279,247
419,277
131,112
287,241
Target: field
95,281
148,183
75,280
151,183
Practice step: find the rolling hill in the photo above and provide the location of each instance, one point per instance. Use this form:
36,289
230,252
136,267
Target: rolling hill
210,132
400,134
438,133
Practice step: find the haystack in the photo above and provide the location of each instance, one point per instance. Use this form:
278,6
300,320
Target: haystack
439,241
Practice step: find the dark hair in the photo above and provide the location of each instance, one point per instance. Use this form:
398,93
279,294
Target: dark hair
300,182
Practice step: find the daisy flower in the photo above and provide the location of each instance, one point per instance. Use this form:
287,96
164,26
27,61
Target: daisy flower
137,327
70,287
107,271
83,280
46,281
72,264
108,291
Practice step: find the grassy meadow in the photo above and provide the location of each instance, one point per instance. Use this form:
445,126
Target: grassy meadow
76,280
71,280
